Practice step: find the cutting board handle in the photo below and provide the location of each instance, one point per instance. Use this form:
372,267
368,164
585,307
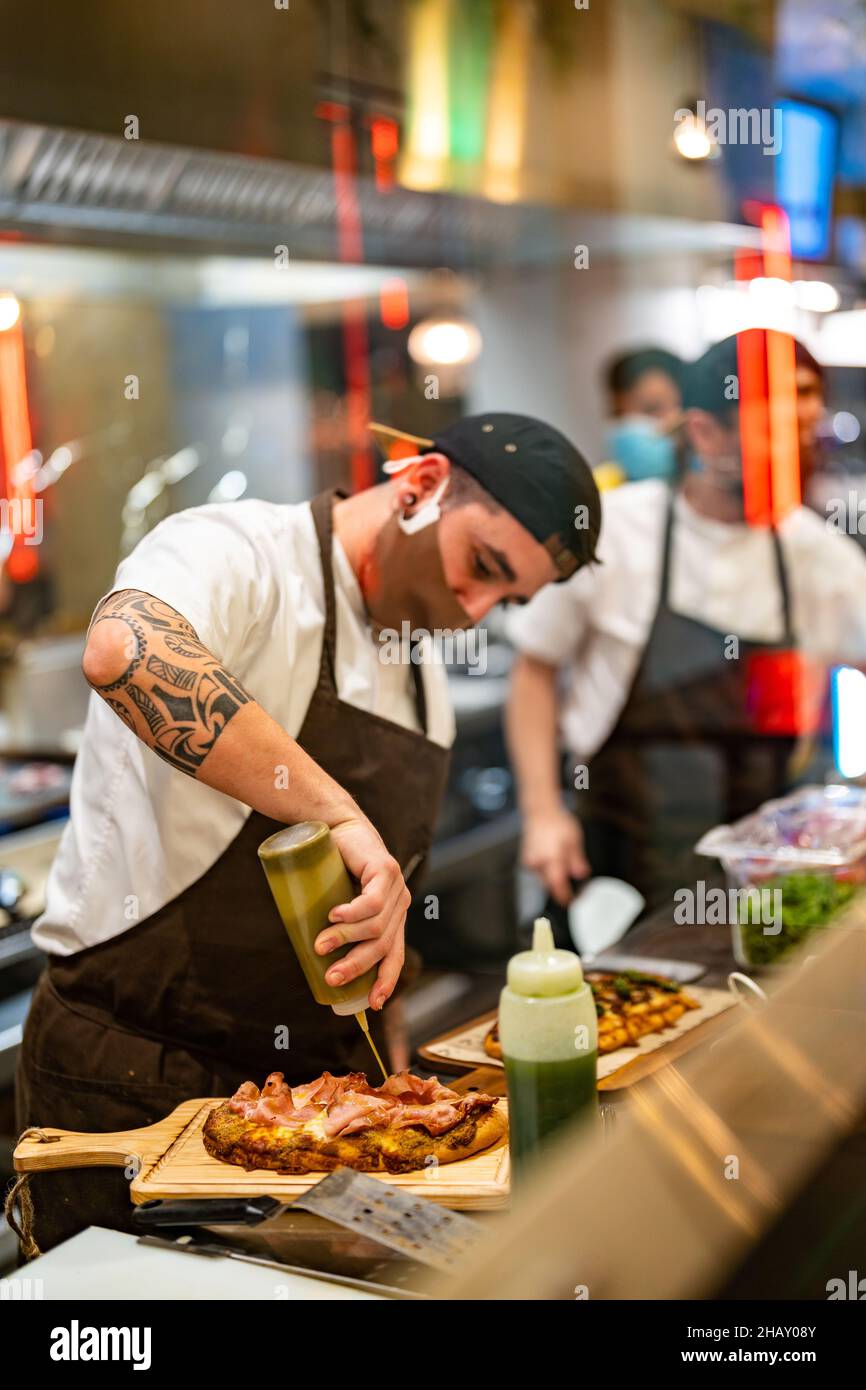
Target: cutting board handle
43,1148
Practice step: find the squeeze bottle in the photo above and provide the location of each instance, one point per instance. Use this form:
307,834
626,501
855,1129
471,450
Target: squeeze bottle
549,1035
308,878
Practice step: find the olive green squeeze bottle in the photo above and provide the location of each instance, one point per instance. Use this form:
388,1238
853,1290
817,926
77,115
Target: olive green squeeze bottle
308,878
549,1035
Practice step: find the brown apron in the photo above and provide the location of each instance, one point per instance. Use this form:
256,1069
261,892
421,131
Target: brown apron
687,751
201,995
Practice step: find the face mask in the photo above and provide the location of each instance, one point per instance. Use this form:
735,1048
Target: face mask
410,580
635,443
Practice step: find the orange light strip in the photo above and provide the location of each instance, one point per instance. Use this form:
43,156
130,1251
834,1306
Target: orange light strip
784,434
385,147
350,242
22,563
766,367
781,376
754,416
776,242
394,303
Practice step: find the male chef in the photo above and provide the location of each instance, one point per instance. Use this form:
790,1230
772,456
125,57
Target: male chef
238,688
674,653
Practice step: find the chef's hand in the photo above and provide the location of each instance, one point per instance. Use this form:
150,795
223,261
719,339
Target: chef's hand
375,918
553,849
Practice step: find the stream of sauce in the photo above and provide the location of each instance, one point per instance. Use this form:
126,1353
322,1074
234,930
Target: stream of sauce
361,1016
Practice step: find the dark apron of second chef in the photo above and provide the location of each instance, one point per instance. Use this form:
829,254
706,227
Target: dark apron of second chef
696,745
187,1002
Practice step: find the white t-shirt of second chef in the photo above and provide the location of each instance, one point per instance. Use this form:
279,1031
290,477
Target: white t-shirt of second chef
248,576
595,626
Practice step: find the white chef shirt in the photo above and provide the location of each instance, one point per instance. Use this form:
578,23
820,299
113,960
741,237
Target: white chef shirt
248,576
596,625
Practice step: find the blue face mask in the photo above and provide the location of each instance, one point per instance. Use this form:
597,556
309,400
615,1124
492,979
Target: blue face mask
635,444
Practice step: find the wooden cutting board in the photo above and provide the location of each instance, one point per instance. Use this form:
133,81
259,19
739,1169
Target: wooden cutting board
168,1160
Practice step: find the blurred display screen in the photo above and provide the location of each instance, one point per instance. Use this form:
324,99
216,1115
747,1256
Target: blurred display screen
805,173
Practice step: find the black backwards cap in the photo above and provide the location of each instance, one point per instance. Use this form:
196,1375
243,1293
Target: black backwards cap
531,469
709,382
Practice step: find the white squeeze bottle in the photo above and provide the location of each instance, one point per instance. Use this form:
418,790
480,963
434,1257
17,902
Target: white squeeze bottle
549,1035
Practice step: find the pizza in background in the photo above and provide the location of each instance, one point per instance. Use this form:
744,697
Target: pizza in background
628,1004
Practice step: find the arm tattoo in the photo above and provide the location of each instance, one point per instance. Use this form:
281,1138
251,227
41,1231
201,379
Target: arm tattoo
122,713
184,646
172,691
178,676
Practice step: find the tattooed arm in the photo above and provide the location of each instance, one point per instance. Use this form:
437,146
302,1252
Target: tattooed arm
146,661
163,682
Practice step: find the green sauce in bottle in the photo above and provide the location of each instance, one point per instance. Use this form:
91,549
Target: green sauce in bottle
549,1035
308,878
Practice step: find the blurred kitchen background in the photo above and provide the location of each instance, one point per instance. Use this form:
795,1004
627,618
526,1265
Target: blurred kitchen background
230,235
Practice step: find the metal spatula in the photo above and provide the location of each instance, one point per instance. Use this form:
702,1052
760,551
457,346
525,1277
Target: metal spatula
415,1228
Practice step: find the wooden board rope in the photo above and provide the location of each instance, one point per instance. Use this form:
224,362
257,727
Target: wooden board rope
19,1191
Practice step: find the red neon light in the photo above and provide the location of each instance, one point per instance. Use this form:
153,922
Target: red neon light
776,238
394,303
754,426
22,563
350,244
384,137
768,388
333,111
781,376
385,146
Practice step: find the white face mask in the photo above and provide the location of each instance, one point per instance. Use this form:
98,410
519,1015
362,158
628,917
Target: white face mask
427,514
410,583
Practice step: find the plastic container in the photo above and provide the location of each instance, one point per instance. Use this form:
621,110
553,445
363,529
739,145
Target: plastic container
548,1029
308,878
805,855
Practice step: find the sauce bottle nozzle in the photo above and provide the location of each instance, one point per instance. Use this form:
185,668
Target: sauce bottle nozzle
542,934
352,1006
544,970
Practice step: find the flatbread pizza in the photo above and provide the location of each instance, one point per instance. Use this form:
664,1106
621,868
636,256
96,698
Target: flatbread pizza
341,1121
